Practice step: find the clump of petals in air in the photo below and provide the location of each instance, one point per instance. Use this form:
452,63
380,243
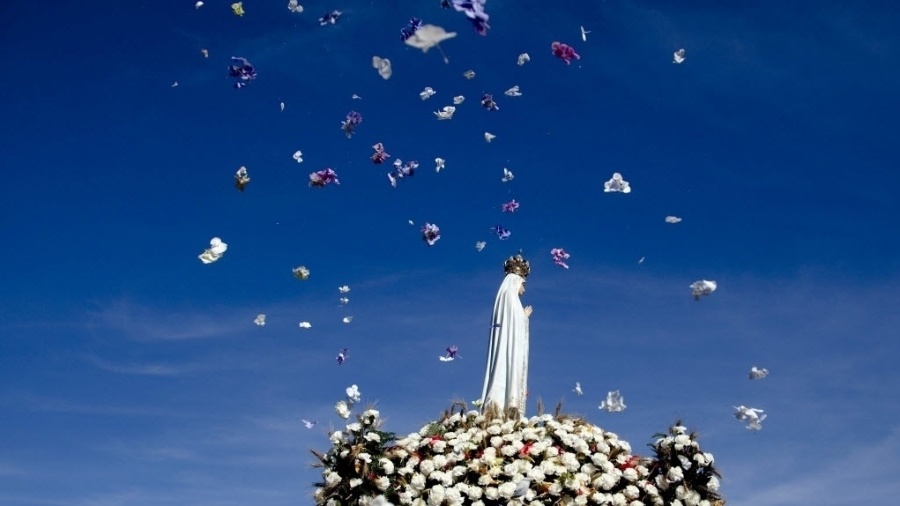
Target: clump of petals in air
474,10
323,177
241,178
383,66
215,251
564,52
430,233
301,273
702,288
617,184
510,207
402,170
380,154
758,373
614,402
242,70
412,26
560,256
487,101
330,18
350,123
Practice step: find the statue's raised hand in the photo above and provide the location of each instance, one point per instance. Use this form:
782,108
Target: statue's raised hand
528,310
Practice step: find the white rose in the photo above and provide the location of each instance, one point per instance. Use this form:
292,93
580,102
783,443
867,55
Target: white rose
336,437
453,497
474,492
675,474
631,492
364,457
619,500
355,482
417,481
405,497
507,490
713,484
491,493
332,478
354,427
607,481
342,410
485,479
555,488
536,474
382,483
386,466
630,474
436,495
373,436
439,446
581,500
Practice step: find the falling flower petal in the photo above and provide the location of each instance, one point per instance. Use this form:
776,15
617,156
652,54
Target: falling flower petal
260,320
445,113
489,136
238,8
474,10
560,256
451,354
342,355
758,373
305,325
513,92
344,289
344,300
617,184
564,52
479,245
241,69
402,170
584,34
678,56
355,97
439,164
347,319
614,402
301,273
523,59
323,177
298,156
510,207
350,123
428,36
281,106
198,5
380,154
383,65
469,74
215,251
502,233
577,388
752,416
673,219
241,178
458,99
412,26
330,18
295,7
431,233
702,288
507,175
427,93
487,101
308,424
205,53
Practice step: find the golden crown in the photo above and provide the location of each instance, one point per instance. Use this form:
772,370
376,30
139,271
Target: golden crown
517,265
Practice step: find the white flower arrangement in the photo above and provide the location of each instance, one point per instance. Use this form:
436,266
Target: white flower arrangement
478,459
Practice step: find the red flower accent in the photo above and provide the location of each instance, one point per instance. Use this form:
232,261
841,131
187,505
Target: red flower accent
525,449
632,461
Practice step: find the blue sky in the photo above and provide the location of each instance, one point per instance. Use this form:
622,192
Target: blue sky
132,374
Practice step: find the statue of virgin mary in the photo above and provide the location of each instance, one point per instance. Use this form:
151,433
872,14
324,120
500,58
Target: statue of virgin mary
506,375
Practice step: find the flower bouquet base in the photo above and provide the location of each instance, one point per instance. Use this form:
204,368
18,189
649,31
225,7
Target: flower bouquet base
485,459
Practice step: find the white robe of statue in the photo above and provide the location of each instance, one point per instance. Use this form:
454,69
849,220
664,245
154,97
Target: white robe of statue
506,377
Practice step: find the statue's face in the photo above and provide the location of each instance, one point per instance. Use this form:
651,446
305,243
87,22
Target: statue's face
522,288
